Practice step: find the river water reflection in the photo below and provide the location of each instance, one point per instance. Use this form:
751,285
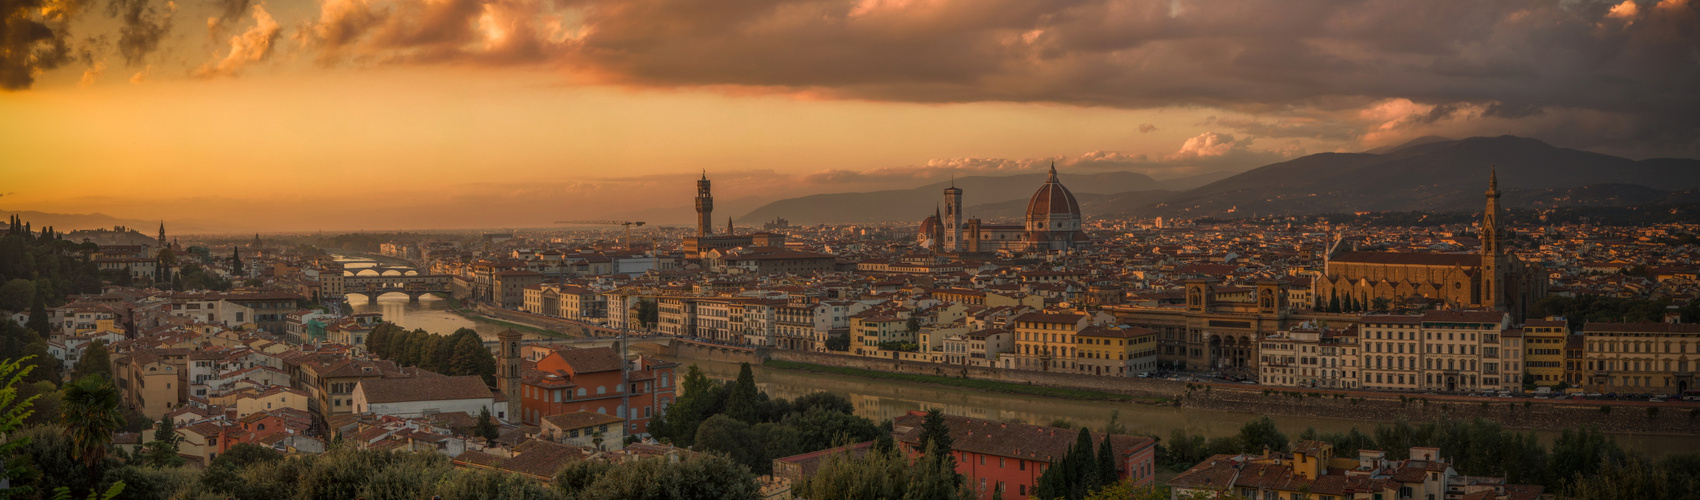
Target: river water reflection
879,399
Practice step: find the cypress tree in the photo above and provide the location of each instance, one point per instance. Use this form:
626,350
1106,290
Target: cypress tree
1109,469
935,432
162,451
38,317
1082,465
487,428
741,404
236,262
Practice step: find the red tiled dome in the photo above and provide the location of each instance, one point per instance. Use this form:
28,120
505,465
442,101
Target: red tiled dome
931,224
1052,198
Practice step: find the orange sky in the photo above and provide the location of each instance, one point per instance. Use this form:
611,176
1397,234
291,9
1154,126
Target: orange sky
381,114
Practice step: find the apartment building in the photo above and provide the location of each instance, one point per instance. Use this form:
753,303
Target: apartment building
1641,357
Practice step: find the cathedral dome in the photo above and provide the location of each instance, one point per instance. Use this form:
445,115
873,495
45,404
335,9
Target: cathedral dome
931,225
1052,199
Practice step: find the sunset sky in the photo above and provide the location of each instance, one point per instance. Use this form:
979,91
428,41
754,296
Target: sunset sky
288,115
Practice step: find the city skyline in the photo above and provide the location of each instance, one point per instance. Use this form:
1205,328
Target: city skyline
438,114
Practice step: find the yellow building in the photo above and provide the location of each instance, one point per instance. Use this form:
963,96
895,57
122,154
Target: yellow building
1045,341
1641,357
868,331
1543,350
151,385
1115,351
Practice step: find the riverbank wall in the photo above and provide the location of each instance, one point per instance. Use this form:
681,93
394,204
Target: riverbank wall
1519,413
1139,387
558,326
1372,407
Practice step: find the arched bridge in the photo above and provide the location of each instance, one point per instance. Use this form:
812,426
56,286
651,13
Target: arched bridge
372,286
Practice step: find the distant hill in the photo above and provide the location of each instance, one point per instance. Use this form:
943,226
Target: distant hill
1090,203
1429,173
1441,175
72,222
916,204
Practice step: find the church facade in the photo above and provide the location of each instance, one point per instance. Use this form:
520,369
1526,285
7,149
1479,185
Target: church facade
1490,278
1051,223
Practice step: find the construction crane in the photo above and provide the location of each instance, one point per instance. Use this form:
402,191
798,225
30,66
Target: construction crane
628,225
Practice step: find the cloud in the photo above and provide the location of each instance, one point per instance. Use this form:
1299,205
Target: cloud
251,46
91,74
141,76
35,37
144,26
1147,128
1210,145
436,31
1626,11
1316,60
230,10
1207,152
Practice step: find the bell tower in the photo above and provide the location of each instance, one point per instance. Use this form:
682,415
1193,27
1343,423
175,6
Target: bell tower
1493,255
507,373
705,207
952,218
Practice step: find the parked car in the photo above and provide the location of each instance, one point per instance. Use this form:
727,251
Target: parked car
1655,400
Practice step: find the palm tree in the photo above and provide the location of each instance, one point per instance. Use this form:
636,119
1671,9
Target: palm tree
89,412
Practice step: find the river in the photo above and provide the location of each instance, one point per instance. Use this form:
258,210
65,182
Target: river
881,399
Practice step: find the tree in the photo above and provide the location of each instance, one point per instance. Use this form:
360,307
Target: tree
14,410
688,411
936,433
38,321
236,262
1580,452
162,450
736,439
741,403
487,427
1109,467
883,474
89,412
824,400
17,295
935,478
472,358
710,477
1258,435
96,361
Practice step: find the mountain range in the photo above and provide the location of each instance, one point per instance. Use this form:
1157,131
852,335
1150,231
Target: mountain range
982,196
1430,173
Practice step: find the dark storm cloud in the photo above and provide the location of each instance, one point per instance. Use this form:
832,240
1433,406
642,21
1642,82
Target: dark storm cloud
34,37
144,26
230,10
1503,110
1309,57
